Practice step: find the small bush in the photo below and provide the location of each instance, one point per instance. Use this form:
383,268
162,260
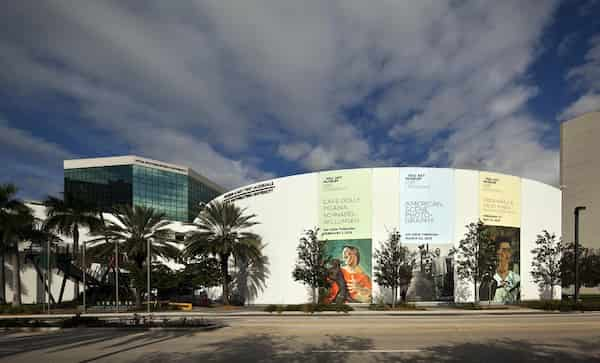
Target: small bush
22,309
388,307
309,308
270,308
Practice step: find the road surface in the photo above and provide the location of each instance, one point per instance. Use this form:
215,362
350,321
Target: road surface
509,338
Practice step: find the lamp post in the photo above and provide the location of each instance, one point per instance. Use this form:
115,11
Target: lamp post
577,210
116,276
83,273
48,272
148,274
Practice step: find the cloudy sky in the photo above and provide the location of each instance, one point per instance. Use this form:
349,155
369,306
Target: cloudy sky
247,90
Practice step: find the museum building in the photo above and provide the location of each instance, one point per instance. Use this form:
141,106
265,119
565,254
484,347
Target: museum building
357,209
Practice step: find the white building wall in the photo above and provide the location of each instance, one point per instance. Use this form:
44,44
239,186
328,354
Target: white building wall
466,186
541,210
284,214
386,211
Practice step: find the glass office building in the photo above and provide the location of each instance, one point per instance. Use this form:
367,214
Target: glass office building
130,180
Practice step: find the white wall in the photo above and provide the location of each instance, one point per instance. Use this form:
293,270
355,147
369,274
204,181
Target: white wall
541,210
466,186
386,211
284,215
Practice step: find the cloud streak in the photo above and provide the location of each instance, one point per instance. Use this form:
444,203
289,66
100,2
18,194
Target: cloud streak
236,88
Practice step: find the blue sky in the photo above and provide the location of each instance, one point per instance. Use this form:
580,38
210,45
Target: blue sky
245,91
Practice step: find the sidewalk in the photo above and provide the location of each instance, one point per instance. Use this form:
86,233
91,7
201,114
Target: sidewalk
251,313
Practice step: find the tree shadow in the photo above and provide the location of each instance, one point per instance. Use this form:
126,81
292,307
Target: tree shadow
508,350
267,349
337,349
68,339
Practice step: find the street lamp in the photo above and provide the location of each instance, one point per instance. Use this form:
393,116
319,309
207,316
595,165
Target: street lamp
577,210
48,272
117,276
148,274
83,273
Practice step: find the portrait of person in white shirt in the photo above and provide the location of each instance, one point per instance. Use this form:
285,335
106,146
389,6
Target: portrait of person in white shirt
507,283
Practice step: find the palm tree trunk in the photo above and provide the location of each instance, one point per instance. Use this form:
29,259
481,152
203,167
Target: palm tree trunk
225,272
76,259
17,276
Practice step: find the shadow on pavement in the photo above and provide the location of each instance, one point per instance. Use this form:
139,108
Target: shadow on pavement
63,340
266,349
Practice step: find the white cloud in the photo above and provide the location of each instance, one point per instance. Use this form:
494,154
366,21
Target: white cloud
587,103
30,162
510,146
228,79
587,77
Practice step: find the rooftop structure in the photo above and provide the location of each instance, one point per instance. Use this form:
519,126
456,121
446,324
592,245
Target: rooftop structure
175,190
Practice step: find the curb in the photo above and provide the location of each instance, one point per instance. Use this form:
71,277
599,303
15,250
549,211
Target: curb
133,328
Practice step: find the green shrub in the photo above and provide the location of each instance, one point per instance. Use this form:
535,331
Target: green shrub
309,308
270,308
22,309
387,307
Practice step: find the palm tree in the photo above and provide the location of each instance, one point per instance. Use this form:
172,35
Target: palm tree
66,217
12,212
222,232
134,228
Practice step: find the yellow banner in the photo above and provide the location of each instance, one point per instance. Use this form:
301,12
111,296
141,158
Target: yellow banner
499,199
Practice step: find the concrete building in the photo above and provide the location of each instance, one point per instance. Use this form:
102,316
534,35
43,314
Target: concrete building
580,177
175,190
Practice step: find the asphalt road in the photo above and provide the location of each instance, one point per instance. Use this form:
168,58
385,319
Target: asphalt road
488,339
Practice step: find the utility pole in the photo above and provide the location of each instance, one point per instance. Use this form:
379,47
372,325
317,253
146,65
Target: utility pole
577,210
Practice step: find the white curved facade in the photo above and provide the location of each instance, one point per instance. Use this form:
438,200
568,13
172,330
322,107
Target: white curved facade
428,206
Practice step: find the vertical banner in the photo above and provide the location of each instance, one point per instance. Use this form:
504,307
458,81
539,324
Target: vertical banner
427,228
426,205
345,223
499,199
500,211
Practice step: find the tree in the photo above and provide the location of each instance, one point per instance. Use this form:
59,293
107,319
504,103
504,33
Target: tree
134,228
222,231
393,265
10,209
546,264
475,256
250,276
312,262
589,266
66,217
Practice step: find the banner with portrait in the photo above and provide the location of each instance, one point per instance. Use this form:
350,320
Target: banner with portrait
345,202
503,284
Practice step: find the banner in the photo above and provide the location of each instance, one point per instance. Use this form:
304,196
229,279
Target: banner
345,222
505,285
426,205
499,199
345,204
